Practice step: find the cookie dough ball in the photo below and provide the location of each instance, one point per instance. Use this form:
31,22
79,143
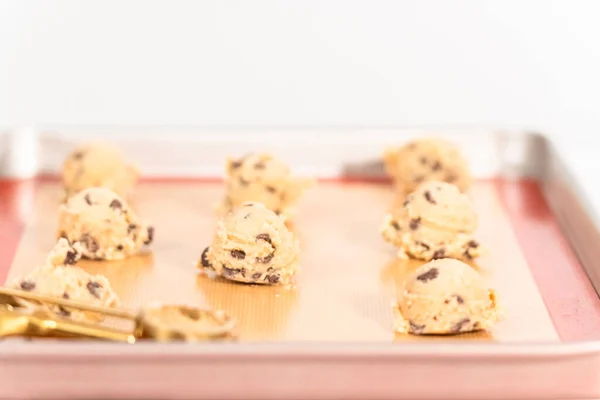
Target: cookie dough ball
185,322
262,178
104,225
98,165
445,297
253,245
427,160
436,221
61,279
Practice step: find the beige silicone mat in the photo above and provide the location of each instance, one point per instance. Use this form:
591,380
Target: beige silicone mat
348,278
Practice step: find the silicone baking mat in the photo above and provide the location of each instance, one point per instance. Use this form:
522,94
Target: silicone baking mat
348,276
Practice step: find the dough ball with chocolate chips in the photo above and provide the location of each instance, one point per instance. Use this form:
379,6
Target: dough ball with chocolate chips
260,177
61,279
445,297
98,165
253,245
435,221
427,160
103,224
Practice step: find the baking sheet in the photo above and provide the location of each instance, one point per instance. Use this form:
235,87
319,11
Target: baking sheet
349,275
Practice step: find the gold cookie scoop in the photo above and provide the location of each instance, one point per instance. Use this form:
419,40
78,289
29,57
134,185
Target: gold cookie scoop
163,323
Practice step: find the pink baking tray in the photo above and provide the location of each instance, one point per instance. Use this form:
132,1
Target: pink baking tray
557,236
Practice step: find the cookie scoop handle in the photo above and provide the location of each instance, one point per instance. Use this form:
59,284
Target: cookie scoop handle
41,324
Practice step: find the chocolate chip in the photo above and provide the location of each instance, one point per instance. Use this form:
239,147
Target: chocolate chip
150,235
90,243
429,275
416,328
467,255
476,325
414,224
259,165
264,236
436,166
66,296
458,298
395,225
271,189
88,199
265,260
204,259
440,253
63,235
190,313
120,247
230,272
272,278
473,244
239,254
423,245
27,285
131,228
429,197
406,203
71,257
457,327
256,275
77,155
244,272
63,312
93,287
247,215
423,160
244,182
115,204
236,164
278,212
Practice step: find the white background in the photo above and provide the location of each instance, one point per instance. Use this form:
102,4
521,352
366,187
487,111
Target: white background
523,63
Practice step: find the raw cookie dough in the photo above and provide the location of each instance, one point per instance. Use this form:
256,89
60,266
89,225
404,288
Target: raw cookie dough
253,245
436,221
185,322
98,165
445,297
57,277
262,178
426,160
104,225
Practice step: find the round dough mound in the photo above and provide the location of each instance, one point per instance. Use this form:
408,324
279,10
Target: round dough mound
60,279
436,221
259,177
98,165
427,160
253,245
104,225
445,297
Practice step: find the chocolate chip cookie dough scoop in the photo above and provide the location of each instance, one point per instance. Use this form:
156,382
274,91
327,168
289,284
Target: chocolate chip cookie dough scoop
445,297
435,221
260,177
58,277
98,165
253,245
104,224
427,160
